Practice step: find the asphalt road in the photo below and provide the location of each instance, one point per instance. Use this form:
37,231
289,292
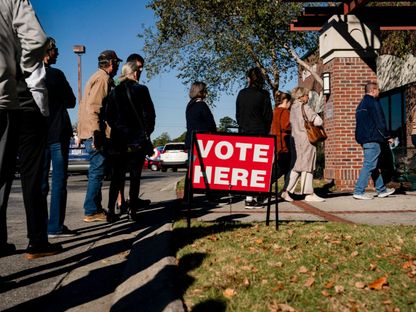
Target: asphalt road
86,274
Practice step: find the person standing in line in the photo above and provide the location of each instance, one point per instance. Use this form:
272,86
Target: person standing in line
303,152
122,204
371,132
93,131
129,118
60,97
22,122
198,118
282,130
254,113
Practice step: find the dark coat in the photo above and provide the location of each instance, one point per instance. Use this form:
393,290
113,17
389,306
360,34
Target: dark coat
122,119
60,98
370,124
198,118
254,111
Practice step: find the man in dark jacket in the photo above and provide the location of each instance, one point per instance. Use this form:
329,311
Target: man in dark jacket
254,113
370,132
60,97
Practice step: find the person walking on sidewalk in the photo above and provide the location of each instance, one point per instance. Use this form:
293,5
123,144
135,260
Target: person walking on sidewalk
93,130
371,132
23,108
60,97
254,114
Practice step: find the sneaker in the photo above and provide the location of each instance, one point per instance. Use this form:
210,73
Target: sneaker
251,204
96,217
285,196
65,233
42,250
314,198
386,192
362,196
7,249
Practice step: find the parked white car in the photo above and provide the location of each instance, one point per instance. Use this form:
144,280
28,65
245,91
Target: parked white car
174,155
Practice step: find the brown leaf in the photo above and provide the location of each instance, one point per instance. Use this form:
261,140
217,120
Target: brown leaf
407,264
290,232
246,281
339,289
279,286
259,241
303,269
378,283
294,279
286,308
229,292
325,293
359,285
213,238
329,285
373,266
309,282
354,254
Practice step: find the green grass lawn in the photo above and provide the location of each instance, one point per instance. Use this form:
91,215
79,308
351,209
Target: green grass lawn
301,267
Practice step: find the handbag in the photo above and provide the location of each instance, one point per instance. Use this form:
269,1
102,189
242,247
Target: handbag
146,145
315,133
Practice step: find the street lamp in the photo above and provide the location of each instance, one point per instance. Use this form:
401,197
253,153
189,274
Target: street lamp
79,49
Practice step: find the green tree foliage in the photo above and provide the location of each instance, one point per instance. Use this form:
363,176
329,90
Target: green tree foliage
162,139
227,124
216,41
180,138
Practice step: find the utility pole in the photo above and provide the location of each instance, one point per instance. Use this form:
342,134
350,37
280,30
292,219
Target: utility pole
79,49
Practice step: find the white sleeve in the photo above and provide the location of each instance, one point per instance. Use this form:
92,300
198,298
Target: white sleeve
36,84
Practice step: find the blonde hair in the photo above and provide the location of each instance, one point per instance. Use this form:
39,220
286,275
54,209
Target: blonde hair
298,92
127,71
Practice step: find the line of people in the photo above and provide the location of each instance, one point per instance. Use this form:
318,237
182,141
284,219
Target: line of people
35,126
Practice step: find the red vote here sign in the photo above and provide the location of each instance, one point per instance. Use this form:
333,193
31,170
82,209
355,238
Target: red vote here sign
232,162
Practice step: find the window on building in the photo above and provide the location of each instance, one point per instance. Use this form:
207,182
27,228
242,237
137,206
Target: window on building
394,107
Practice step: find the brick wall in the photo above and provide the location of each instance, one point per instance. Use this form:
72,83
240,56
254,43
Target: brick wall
343,156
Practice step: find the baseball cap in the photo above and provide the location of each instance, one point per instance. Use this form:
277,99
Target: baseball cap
108,55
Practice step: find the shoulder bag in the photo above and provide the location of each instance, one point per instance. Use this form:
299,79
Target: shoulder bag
146,145
315,133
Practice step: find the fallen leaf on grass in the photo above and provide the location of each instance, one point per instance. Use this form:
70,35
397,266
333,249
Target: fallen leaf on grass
309,282
213,238
359,285
407,264
325,293
279,286
294,279
303,269
373,266
246,282
286,308
329,285
378,283
354,254
259,241
229,292
290,232
339,289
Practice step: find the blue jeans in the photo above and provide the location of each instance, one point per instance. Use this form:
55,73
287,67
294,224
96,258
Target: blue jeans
96,172
371,154
58,154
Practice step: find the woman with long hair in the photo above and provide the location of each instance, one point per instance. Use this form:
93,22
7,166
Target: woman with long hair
303,153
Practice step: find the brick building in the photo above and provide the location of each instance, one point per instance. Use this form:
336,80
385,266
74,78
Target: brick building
348,51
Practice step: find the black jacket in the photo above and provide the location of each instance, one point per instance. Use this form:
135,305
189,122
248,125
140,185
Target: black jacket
370,124
254,111
198,118
60,98
120,116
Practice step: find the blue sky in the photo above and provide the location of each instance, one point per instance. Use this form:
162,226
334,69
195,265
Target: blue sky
103,24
